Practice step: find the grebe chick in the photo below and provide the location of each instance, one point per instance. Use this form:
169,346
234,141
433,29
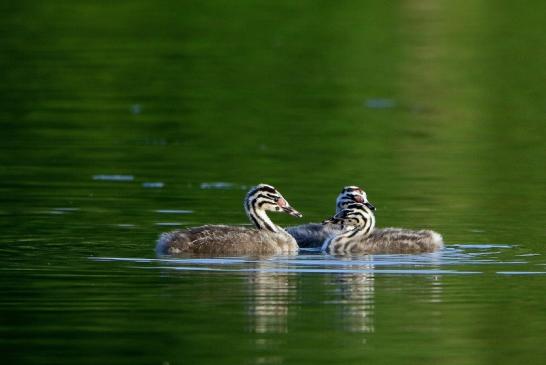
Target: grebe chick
363,238
267,238
313,234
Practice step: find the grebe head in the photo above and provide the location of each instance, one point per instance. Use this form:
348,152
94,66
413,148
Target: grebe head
266,197
355,215
352,194
356,220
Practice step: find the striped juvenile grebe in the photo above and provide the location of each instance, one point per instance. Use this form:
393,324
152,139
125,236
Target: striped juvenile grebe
266,238
364,239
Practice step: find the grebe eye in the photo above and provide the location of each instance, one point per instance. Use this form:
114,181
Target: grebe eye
359,198
281,202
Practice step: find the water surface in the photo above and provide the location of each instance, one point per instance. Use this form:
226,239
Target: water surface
121,121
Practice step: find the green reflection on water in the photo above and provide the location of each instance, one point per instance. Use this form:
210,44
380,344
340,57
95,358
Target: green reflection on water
435,108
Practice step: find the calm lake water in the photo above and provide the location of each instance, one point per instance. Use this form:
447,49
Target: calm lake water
121,121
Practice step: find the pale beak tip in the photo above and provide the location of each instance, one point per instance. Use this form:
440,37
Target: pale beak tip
293,212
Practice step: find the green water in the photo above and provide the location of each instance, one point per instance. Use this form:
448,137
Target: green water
120,121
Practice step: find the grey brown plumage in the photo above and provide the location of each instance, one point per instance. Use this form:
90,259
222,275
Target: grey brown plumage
400,240
266,238
312,234
220,239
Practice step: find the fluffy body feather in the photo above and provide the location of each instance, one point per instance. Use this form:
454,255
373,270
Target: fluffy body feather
312,235
265,239
398,240
221,240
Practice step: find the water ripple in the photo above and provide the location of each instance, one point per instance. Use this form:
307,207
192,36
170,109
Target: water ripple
453,260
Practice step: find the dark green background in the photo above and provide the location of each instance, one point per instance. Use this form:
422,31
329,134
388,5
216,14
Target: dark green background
436,108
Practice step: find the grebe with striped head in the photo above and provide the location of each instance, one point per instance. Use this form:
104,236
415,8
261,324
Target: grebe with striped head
266,238
362,238
313,234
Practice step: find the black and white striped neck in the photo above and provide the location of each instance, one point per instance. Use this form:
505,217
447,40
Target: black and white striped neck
358,216
260,219
258,199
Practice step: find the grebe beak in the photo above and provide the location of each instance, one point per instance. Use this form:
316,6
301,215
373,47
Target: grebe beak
333,220
370,205
288,209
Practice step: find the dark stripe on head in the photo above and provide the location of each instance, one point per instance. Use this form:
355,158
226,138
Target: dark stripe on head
355,206
269,189
262,188
351,188
252,192
266,199
359,207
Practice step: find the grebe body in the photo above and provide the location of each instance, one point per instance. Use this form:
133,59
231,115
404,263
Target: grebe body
263,239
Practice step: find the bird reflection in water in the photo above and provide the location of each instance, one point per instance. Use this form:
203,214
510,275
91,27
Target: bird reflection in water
356,296
269,298
270,294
